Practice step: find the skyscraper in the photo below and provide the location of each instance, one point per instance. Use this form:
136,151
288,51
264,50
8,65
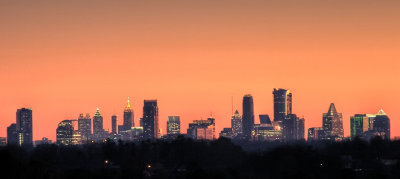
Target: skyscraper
65,131
98,131
128,116
381,124
173,125
293,128
12,135
248,116
24,127
359,123
150,119
332,124
236,124
282,103
114,124
85,127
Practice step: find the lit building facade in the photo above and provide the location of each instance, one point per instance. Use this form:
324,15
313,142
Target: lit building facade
24,127
205,125
65,133
150,119
98,131
264,132
85,127
332,124
173,125
315,133
282,103
236,124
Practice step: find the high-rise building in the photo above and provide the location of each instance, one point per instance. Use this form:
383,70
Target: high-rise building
12,135
114,124
381,124
150,119
65,131
315,133
264,119
173,125
98,131
248,116
332,124
293,128
236,124
128,116
359,124
207,129
85,127
24,127
282,103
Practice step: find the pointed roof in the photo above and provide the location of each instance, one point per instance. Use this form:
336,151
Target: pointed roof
332,109
236,112
381,113
128,105
97,112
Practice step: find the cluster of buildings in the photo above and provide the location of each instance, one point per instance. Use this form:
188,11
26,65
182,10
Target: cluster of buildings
285,125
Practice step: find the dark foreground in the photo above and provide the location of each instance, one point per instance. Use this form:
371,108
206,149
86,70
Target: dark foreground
184,158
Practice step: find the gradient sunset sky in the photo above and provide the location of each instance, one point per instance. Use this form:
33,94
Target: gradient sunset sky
68,57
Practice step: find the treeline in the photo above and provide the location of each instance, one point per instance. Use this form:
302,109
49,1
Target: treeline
185,158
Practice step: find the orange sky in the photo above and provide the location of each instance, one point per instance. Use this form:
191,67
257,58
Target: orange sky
63,58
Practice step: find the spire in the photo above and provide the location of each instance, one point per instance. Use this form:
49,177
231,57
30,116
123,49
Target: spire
332,109
381,113
236,112
128,105
97,112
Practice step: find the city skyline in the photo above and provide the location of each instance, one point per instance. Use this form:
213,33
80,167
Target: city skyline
67,58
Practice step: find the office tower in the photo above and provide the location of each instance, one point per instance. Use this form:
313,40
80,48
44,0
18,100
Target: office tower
282,103
12,135
264,119
293,128
202,129
114,124
128,117
173,125
359,123
65,131
98,131
24,127
315,133
332,124
381,125
248,116
236,124
150,119
85,127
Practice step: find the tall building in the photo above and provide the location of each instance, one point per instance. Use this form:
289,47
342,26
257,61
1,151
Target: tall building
236,124
293,128
128,117
381,124
332,124
24,127
12,135
173,125
202,129
98,131
65,131
114,124
248,116
150,119
264,119
359,124
282,103
85,127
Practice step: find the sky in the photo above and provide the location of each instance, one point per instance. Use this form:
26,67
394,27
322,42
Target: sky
63,58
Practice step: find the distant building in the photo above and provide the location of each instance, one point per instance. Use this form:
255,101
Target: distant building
98,131
367,126
264,119
128,117
359,123
44,140
248,116
282,103
12,135
141,122
173,125
265,132
114,124
381,124
24,127
150,119
227,133
85,127
65,131
236,124
3,141
207,129
332,124
293,128
315,133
